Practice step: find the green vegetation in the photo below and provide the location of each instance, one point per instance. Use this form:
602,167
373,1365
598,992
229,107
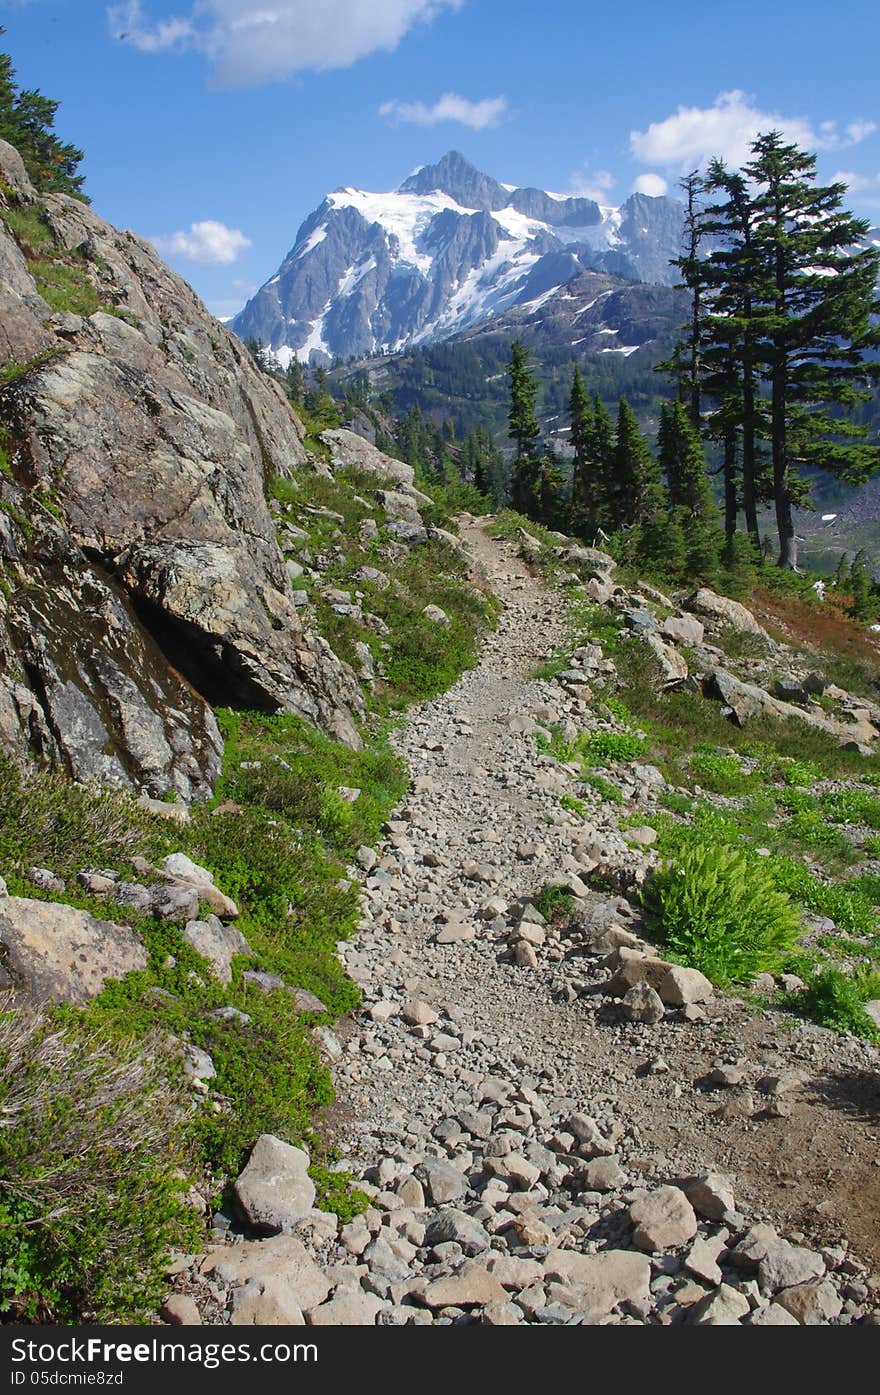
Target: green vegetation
65,285
554,901
722,913
836,1000
604,788
90,1201
27,119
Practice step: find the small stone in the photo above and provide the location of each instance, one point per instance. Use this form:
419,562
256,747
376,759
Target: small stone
459,1228
442,1181
701,1260
726,1307
710,1194
181,1311
470,1286
264,1303
418,1014
604,1174
642,1004
680,986
349,1307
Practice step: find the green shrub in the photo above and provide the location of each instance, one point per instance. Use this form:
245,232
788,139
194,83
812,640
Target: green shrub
604,788
721,913
720,773
600,747
554,901
574,805
89,1200
835,999
851,806
871,845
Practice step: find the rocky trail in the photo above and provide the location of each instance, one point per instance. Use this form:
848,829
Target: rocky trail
531,1153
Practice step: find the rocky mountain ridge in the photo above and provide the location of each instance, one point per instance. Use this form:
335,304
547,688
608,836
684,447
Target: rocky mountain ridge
142,577
375,273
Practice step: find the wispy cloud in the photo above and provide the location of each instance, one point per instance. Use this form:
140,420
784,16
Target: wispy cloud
861,185
691,136
450,107
592,184
207,243
248,44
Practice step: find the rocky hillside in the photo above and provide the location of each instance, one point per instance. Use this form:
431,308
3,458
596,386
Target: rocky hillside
142,579
376,273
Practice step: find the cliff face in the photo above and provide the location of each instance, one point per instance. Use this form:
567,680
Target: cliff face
141,576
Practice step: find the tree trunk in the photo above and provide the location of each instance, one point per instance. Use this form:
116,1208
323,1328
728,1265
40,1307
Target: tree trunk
781,491
750,496
729,483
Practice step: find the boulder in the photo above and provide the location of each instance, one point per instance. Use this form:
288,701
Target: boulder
724,611
642,1004
600,1283
268,1302
672,665
274,1190
51,952
710,1194
682,629
128,622
663,1219
218,943
348,451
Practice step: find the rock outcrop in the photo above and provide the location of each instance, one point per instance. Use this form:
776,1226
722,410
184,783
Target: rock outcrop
141,575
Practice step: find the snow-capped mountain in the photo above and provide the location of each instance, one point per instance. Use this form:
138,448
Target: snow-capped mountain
373,273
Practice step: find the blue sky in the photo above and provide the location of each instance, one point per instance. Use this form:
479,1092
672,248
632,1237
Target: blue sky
216,126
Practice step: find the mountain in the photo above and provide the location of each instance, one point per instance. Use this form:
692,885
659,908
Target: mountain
378,273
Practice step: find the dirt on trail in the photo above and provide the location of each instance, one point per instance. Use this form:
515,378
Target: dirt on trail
482,825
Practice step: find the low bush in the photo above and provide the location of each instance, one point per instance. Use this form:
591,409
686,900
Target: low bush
90,1201
554,901
836,1000
721,913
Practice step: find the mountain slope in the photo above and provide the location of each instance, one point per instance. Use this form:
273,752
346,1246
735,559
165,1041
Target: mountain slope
375,273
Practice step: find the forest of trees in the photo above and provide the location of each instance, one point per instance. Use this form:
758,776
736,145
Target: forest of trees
27,119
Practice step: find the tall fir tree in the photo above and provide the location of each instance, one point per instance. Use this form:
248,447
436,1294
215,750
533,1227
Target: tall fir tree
582,513
638,494
525,431
814,282
601,449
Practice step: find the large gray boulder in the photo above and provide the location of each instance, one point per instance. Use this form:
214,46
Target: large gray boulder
274,1190
56,953
145,581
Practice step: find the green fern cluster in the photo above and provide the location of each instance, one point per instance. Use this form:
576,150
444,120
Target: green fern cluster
722,913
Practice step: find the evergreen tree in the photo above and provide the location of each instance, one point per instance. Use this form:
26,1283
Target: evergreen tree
814,293
295,381
601,450
524,428
27,119
730,355
682,461
582,517
552,495
638,495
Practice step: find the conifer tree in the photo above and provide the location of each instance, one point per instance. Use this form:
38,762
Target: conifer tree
638,495
27,119
814,293
582,518
524,428
601,450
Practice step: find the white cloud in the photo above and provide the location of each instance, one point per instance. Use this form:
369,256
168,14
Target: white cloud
653,184
208,243
859,130
250,43
691,136
589,184
450,107
127,23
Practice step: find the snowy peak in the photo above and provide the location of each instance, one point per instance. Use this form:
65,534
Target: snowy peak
457,177
380,272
